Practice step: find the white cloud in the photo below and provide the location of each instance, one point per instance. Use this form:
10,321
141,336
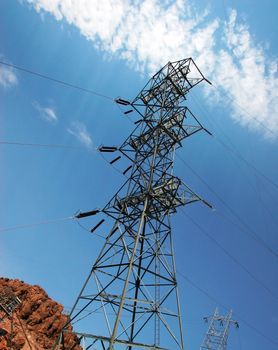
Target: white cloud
145,33
7,77
249,77
149,33
47,113
79,130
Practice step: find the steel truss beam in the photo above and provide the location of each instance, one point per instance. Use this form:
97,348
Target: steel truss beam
130,296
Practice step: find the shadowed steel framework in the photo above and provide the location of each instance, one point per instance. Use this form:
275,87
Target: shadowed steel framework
130,299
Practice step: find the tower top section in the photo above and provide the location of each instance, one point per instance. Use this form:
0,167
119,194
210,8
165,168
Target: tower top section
218,332
169,86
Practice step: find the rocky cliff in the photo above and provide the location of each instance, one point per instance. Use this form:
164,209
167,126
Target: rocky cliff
36,322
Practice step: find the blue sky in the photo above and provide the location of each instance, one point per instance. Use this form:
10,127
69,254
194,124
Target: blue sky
113,47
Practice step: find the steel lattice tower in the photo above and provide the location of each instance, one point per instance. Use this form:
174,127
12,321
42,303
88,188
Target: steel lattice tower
8,303
130,298
218,332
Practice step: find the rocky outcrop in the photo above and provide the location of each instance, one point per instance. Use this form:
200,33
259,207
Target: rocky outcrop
36,322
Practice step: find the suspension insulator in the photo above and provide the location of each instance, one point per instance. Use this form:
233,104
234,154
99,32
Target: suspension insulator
87,213
127,169
129,111
115,160
107,149
97,225
122,102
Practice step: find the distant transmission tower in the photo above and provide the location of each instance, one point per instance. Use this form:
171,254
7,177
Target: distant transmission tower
218,332
8,303
130,298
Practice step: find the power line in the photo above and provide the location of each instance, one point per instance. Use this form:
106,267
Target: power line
247,229
230,255
130,268
244,160
223,202
58,81
12,228
75,147
70,85
219,88
112,99
209,296
47,145
210,188
267,210
234,150
236,153
122,112
88,230
258,181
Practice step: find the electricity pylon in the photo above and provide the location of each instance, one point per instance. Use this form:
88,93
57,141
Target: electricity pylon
8,303
130,299
218,332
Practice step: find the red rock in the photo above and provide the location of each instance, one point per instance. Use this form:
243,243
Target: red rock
38,319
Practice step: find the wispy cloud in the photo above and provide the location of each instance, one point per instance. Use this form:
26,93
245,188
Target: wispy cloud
79,131
249,78
47,113
149,33
8,77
